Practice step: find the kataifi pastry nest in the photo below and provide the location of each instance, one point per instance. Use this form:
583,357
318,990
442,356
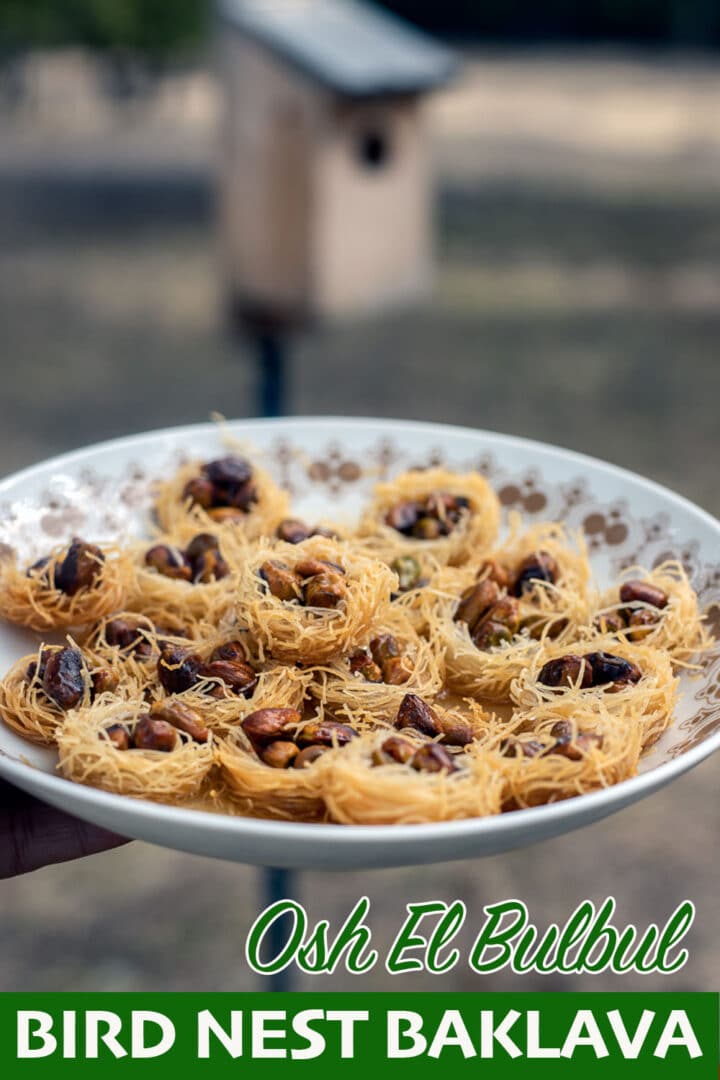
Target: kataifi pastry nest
647,703
292,632
474,533
678,628
154,592
338,685
547,611
88,756
357,791
28,596
26,707
173,508
599,749
289,793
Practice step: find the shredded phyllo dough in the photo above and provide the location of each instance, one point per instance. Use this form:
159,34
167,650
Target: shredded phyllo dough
544,758
89,754
487,618
253,512
74,584
189,573
376,677
297,622
364,785
41,688
432,513
633,682
656,607
415,669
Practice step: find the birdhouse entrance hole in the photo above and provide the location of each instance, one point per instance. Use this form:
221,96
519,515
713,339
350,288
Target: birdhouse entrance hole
373,149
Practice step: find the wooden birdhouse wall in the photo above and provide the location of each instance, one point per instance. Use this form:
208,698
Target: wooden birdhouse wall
372,225
324,199
269,134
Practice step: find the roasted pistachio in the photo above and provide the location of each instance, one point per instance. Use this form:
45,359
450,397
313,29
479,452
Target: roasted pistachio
178,667
119,736
566,671
394,748
570,744
428,528
168,561
415,713
433,758
636,591
555,627
80,568
607,668
524,748
228,472
35,671
610,622
403,517
265,725
281,581
456,730
562,729
492,570
489,634
200,491
397,670
238,676
641,623
309,756
476,601
280,754
210,566
152,734
308,568
325,733
242,497
126,633
64,677
182,717
293,531
538,567
205,558
408,571
361,663
325,591
229,650
498,625
104,681
384,647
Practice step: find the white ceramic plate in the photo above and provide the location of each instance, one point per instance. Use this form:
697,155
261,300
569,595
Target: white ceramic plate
330,466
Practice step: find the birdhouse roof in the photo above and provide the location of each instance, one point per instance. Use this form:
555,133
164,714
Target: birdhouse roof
350,46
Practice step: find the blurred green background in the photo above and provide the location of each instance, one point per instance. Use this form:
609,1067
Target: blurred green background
157,28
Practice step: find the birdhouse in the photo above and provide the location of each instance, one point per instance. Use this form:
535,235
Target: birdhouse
325,193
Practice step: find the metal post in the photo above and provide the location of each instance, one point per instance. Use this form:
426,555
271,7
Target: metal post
278,884
272,374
